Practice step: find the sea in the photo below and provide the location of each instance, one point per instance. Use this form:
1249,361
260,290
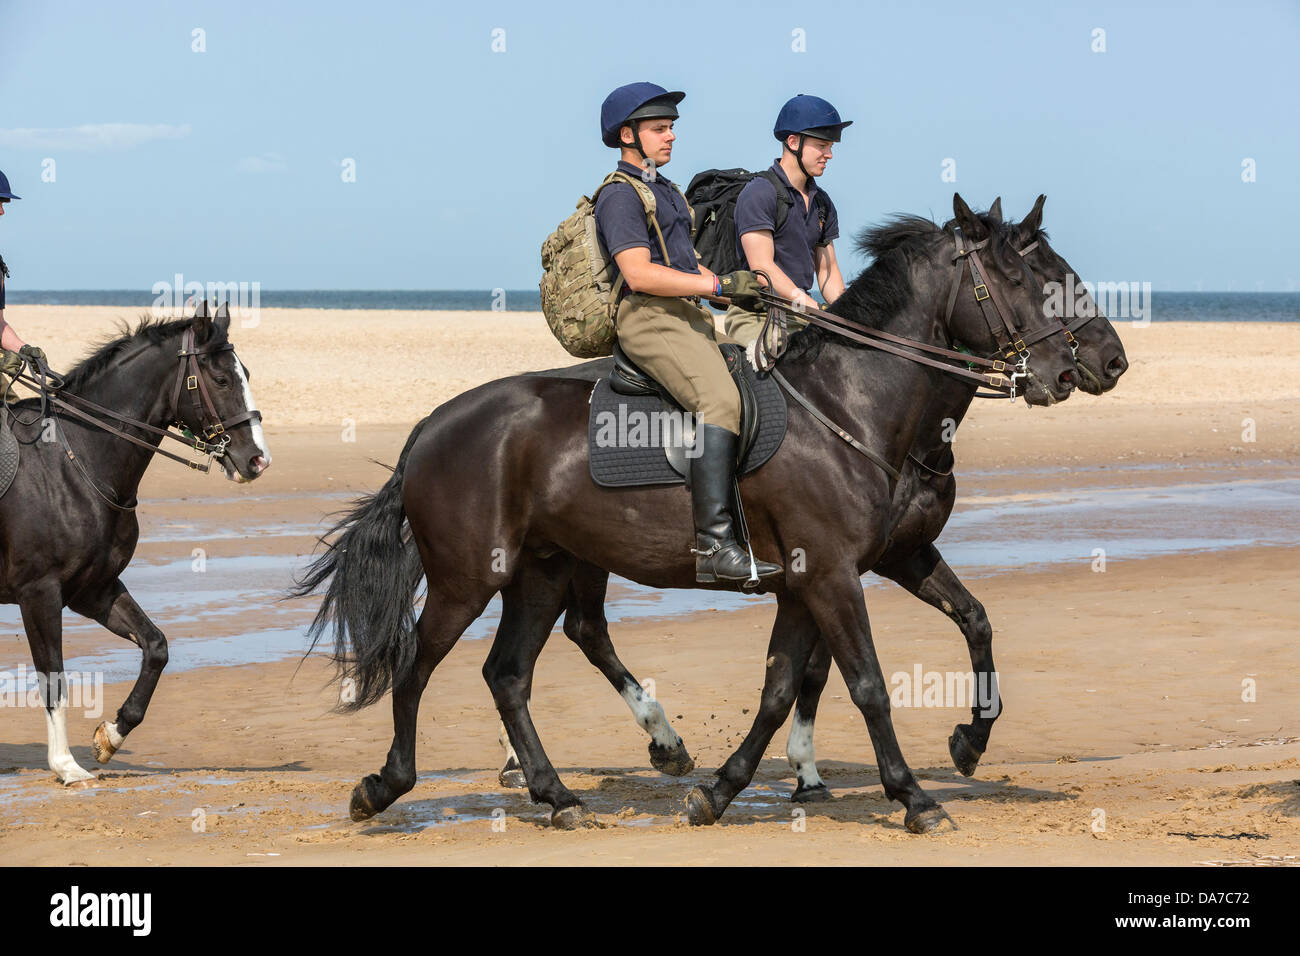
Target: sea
1163,306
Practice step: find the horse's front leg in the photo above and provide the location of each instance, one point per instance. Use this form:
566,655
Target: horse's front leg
42,610
836,603
927,575
793,636
115,608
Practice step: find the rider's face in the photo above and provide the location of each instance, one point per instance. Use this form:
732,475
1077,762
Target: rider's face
657,138
3,203
816,153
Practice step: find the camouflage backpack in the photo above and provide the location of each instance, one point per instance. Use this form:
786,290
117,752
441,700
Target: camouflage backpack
579,295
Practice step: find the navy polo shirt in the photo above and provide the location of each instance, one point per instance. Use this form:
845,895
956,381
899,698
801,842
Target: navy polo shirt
799,235
2,282
621,222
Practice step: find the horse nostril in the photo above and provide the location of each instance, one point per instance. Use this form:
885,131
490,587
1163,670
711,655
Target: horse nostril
1116,366
1068,379
259,465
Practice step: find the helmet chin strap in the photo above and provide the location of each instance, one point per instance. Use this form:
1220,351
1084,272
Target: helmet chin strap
635,126
798,156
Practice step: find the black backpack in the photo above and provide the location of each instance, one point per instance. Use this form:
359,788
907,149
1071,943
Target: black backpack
712,194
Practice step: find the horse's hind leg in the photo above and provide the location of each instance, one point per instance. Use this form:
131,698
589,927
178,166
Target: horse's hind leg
585,625
42,611
927,575
530,604
799,748
440,625
116,610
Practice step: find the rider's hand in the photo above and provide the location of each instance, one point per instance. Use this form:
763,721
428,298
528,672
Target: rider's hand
33,354
11,363
743,289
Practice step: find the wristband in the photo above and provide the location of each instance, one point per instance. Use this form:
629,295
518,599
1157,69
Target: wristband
717,286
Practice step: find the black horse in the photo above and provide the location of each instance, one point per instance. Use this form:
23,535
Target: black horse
923,501
496,490
67,523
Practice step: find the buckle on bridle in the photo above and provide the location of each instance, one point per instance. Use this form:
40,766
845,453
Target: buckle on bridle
999,365
978,297
191,382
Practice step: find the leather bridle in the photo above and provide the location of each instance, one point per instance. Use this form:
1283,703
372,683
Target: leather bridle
1078,322
189,379
188,376
1001,374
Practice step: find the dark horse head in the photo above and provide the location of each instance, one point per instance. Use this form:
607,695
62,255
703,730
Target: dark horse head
181,372
1100,354
917,261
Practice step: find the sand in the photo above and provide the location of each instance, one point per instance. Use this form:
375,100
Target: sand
1125,738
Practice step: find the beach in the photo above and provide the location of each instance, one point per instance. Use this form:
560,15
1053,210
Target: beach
1125,688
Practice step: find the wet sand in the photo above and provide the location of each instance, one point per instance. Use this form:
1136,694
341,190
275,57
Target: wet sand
1123,689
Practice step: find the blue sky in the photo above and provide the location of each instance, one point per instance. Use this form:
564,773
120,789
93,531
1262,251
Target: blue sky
226,164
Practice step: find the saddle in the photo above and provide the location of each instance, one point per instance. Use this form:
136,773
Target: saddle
638,434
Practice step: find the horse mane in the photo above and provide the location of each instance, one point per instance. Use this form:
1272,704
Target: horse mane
108,350
884,287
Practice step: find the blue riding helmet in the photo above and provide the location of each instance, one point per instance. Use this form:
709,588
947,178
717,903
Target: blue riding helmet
806,115
632,102
5,192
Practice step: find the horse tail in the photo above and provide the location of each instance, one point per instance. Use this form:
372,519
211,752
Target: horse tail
373,568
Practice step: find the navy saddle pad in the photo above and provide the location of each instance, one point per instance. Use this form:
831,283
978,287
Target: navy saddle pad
646,439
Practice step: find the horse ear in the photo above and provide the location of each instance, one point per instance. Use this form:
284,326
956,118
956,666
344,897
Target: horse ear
201,322
995,211
1034,221
222,318
969,222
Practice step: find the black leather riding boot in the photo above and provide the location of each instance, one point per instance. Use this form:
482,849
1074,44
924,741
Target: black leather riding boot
717,555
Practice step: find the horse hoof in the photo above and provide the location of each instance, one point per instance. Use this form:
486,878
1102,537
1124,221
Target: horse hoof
85,783
363,805
933,820
512,779
965,755
674,761
576,817
699,808
818,794
100,744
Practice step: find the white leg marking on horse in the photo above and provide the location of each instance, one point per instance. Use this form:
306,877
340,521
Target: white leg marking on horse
503,739
56,726
259,439
650,715
799,751
114,737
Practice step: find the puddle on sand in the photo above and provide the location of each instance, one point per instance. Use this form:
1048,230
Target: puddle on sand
1002,531
986,534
